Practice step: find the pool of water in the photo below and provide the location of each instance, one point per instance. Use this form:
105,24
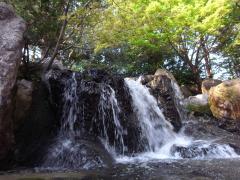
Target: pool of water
155,169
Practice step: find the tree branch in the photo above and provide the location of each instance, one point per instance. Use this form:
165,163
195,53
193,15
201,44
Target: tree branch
55,52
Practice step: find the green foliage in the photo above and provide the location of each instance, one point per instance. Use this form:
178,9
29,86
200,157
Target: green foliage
138,36
42,17
187,29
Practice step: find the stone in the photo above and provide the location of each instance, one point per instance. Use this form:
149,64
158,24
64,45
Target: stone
208,83
23,100
224,100
198,103
12,28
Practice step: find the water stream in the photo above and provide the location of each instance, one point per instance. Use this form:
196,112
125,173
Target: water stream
161,141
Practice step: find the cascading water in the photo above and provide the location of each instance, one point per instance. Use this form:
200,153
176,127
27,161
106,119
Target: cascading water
163,142
108,101
65,150
178,99
154,127
72,148
70,105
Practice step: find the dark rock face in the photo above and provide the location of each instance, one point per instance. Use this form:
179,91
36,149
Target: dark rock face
90,122
38,129
23,101
11,43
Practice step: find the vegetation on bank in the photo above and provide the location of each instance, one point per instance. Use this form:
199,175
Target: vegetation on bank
194,39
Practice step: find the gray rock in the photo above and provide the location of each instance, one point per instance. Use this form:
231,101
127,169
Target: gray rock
12,28
23,100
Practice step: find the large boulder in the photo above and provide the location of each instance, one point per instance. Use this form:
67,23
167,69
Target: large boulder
224,100
11,44
208,83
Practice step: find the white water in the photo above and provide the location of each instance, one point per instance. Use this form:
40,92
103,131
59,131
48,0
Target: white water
150,117
160,135
70,105
108,101
161,140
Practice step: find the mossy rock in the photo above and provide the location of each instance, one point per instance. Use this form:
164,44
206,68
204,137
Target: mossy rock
203,109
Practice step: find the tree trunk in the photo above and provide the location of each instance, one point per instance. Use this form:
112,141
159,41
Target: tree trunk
55,52
206,58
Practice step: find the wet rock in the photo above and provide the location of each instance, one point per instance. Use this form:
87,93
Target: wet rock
198,103
77,153
11,43
208,128
57,64
224,100
23,100
196,150
208,83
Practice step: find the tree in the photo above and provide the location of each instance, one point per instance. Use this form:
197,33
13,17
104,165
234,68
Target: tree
49,34
190,28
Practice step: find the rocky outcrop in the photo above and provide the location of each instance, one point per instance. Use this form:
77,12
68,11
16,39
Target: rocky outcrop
164,88
208,83
224,100
11,43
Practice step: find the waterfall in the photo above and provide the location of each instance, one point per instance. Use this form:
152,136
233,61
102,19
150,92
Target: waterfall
178,100
64,152
84,132
70,147
163,142
108,101
70,105
154,126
